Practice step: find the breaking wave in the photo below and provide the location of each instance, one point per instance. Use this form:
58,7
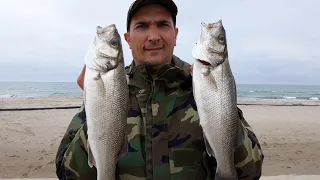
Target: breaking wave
262,91
289,97
7,96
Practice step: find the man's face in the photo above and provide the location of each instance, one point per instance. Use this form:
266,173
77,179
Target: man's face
152,35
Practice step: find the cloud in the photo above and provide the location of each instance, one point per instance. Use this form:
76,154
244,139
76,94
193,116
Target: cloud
269,41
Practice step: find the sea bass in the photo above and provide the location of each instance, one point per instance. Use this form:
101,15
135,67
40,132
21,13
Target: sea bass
105,97
215,96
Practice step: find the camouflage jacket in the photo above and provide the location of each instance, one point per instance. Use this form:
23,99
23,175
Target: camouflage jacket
165,139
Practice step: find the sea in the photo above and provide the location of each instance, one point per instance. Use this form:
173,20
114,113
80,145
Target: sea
244,91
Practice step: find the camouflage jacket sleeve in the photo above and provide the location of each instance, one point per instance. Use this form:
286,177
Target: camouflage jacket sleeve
71,158
249,156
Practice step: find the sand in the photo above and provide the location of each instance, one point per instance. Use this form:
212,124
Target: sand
288,131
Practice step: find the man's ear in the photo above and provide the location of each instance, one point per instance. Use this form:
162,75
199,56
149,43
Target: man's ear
127,38
176,31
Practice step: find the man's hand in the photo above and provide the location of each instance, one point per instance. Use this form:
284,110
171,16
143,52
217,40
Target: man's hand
80,79
191,69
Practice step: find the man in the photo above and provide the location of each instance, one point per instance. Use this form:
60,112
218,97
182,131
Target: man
165,139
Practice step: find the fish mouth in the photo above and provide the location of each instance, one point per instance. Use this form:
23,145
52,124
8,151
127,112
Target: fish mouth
218,56
204,62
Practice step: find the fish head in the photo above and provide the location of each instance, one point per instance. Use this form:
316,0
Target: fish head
107,48
211,47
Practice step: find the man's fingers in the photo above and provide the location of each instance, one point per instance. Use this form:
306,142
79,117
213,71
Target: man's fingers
80,80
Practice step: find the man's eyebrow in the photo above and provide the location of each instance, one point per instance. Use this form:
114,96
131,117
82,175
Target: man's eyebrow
162,21
141,22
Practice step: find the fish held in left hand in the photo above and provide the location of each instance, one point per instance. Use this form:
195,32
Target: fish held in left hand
215,96
106,101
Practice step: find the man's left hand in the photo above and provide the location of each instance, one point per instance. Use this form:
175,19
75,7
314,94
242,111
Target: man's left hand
191,69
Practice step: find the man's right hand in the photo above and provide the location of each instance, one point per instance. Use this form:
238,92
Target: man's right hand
80,80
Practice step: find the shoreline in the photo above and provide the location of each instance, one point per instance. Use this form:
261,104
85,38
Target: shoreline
73,102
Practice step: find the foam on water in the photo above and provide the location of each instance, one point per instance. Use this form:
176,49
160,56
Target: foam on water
288,97
7,96
287,92
314,98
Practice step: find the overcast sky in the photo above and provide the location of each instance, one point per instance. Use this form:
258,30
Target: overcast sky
273,42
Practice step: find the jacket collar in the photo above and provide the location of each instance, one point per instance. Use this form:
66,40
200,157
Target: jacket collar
172,74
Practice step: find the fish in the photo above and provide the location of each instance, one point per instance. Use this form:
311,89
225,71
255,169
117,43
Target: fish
105,101
214,91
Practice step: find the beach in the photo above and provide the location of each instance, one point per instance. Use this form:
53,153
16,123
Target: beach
288,131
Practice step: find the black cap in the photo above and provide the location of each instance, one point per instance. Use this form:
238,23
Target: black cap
137,4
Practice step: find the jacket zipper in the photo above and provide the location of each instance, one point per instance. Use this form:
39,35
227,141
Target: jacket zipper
148,136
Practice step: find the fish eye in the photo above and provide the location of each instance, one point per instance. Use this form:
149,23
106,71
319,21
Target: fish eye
221,38
114,42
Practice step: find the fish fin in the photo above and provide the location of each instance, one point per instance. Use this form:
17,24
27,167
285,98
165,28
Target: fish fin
84,89
124,148
208,147
84,95
91,160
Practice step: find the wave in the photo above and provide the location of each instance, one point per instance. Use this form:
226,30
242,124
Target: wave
285,97
262,91
289,97
2,96
315,94
8,96
65,94
301,98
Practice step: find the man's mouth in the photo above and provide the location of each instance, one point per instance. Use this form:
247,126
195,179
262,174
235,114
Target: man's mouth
204,62
154,49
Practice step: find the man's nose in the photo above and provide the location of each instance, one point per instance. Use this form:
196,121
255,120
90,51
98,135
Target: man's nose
153,35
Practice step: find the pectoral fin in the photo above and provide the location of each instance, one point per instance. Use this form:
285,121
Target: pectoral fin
124,148
84,95
208,147
91,160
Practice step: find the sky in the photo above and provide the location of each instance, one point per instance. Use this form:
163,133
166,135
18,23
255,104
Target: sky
269,42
